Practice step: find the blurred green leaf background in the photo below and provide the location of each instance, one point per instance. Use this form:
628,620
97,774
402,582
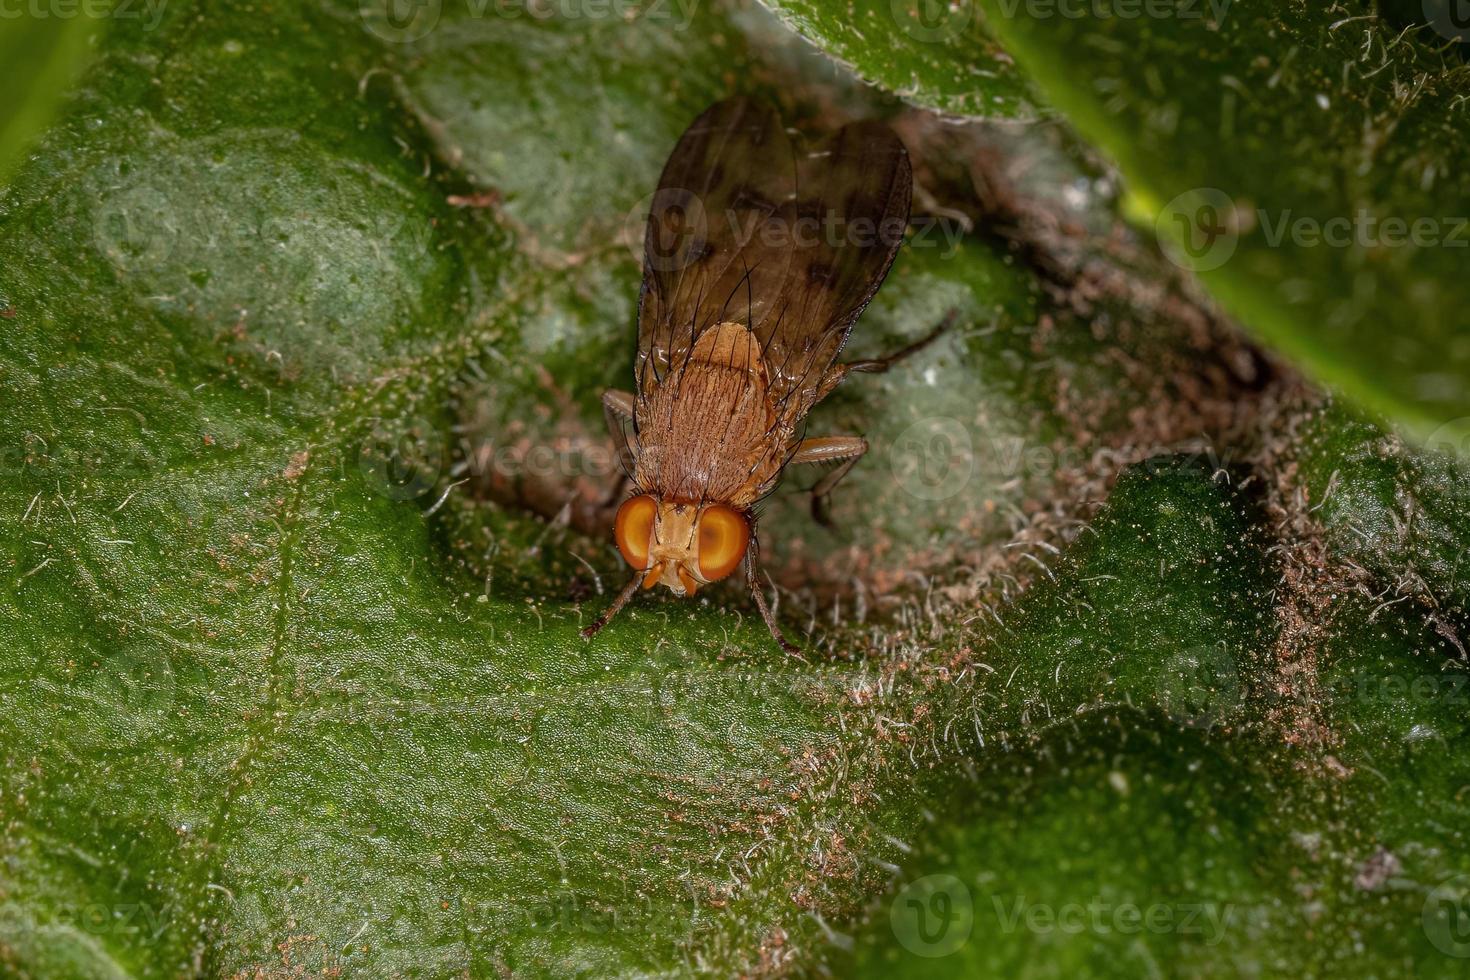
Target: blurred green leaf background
1138,645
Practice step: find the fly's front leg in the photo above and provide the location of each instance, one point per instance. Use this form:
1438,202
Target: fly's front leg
617,604
752,575
829,449
617,410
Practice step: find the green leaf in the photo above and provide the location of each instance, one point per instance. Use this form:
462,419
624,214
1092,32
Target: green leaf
932,52
293,681
1310,164
265,705
1134,806
1395,510
42,53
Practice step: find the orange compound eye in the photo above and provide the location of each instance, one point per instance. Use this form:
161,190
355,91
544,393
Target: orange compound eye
723,535
634,528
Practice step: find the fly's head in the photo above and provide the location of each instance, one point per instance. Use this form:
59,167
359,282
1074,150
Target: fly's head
681,544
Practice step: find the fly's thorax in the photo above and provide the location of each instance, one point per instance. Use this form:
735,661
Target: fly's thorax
707,429
730,345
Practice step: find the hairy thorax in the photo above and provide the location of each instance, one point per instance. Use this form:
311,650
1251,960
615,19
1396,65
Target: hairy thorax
708,431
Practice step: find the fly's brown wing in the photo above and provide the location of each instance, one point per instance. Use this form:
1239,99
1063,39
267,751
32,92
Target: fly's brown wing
705,260
744,230
858,185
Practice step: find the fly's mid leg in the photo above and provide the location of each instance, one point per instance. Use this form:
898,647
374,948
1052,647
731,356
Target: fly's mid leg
846,450
617,411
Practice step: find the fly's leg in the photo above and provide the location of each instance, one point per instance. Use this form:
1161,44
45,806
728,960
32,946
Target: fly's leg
829,449
878,365
612,610
881,364
617,410
752,572
849,449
